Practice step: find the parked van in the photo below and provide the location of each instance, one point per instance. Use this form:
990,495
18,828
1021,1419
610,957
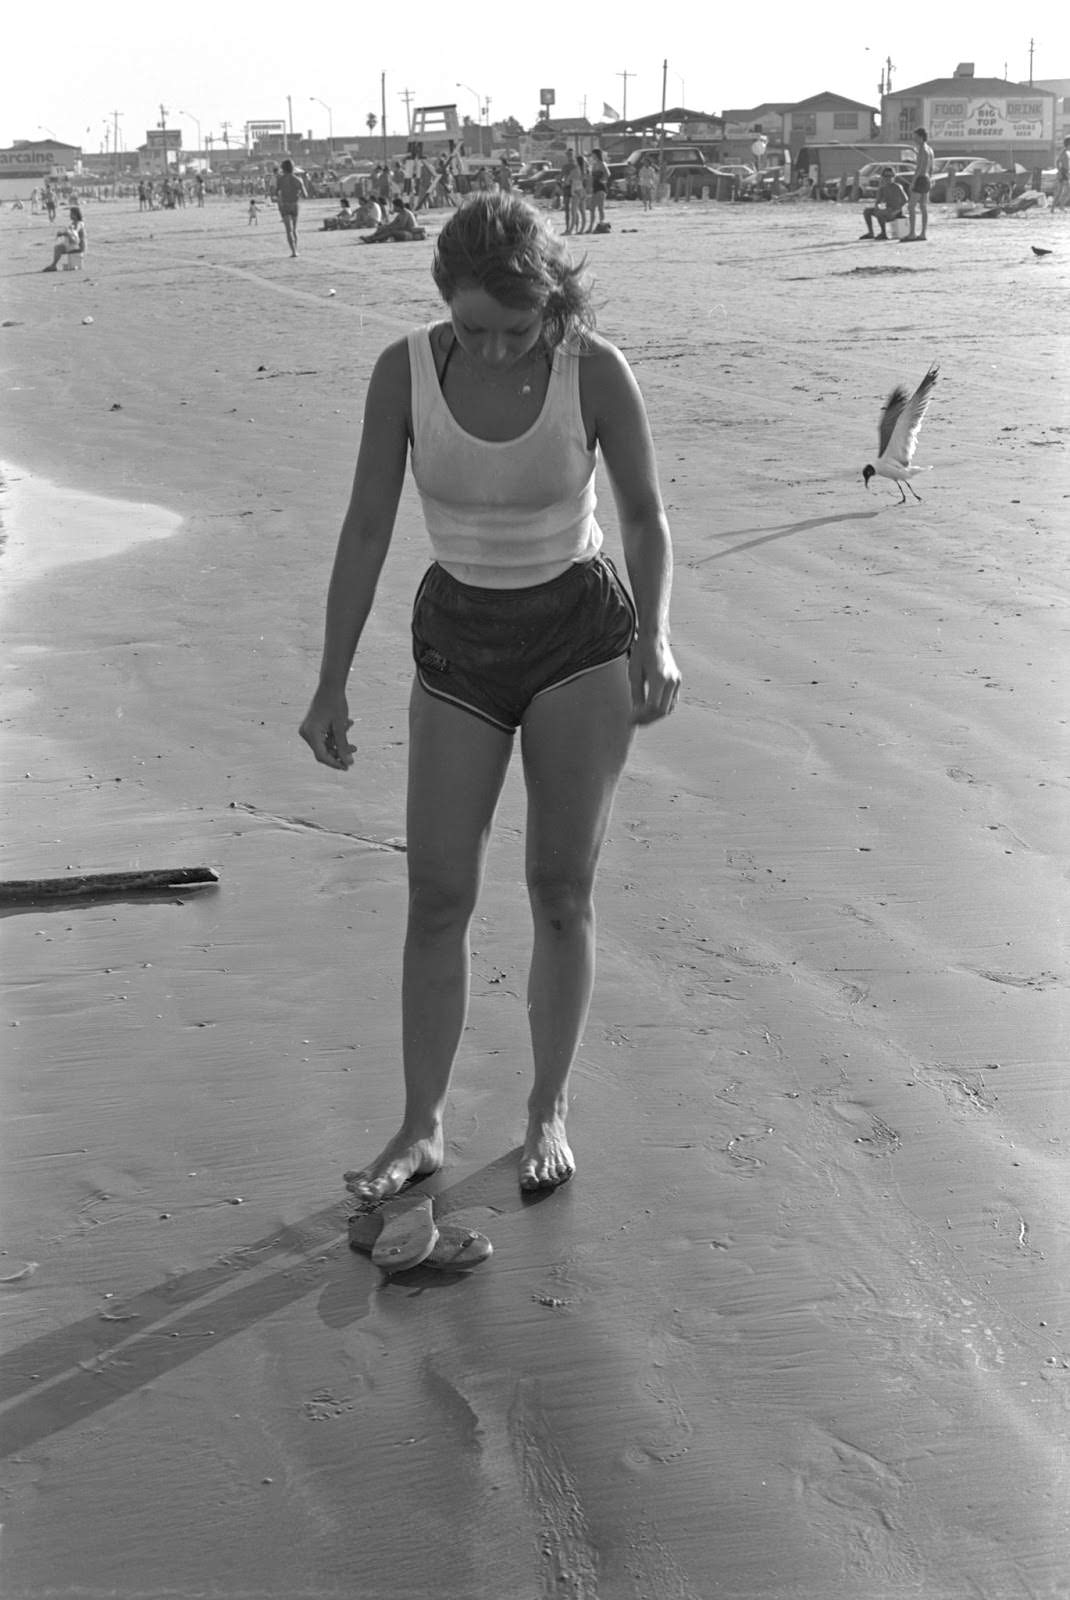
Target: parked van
680,159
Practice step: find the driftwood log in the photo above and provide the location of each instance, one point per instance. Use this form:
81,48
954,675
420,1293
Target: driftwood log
79,885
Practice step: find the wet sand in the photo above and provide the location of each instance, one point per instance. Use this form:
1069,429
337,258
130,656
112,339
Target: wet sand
798,1328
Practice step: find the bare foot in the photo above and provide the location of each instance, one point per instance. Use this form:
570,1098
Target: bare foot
547,1160
403,1161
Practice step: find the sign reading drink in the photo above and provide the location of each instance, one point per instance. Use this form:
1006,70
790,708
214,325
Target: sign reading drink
1003,119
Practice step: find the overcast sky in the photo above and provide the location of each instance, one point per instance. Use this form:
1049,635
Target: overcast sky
69,66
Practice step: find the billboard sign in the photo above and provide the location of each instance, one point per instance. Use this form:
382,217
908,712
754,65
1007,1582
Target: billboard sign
1009,120
255,131
164,138
547,97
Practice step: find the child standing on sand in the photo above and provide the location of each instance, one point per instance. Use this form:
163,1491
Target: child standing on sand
254,213
521,623
289,192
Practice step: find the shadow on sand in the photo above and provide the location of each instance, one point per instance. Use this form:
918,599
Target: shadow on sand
73,1372
767,535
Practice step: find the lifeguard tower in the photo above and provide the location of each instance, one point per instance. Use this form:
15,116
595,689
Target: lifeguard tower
433,126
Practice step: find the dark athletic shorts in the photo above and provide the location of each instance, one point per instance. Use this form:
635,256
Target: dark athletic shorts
921,186
491,651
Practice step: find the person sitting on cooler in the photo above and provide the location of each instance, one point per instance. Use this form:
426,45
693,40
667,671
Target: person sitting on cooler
888,207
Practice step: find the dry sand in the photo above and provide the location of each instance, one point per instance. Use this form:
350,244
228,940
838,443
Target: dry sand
798,1329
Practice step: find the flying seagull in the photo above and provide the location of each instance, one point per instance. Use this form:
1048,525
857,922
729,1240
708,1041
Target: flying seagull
901,422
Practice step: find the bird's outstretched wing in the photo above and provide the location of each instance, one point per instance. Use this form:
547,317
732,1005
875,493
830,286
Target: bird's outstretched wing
901,420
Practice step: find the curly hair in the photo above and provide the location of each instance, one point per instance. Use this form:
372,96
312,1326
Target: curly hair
499,243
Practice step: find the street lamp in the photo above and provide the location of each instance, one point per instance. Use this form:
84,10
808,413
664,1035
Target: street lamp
197,120
479,110
330,128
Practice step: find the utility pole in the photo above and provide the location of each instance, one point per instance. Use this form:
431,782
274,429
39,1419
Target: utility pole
624,107
163,141
382,108
290,121
115,146
408,95
661,130
1032,46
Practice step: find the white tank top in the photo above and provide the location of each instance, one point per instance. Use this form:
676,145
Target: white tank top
510,514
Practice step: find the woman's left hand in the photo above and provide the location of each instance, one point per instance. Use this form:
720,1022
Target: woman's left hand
655,679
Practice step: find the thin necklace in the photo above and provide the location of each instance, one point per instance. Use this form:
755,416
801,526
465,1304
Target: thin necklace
532,357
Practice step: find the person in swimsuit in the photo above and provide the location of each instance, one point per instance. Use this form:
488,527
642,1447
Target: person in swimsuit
599,176
290,190
521,623
920,184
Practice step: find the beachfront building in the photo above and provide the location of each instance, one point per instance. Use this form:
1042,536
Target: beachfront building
768,118
29,164
745,129
967,115
575,132
828,118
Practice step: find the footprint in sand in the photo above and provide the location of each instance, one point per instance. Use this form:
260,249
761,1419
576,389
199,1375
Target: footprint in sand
960,775
1023,980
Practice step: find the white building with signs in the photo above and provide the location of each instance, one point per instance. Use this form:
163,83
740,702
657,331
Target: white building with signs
967,115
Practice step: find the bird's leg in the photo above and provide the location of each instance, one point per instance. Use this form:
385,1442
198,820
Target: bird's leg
902,496
913,491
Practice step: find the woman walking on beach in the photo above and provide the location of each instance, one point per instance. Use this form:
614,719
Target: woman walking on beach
520,622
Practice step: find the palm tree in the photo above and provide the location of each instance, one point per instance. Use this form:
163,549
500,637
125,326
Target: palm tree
371,119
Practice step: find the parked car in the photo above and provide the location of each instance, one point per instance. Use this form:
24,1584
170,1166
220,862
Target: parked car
547,185
960,175
870,179
777,177
699,178
618,180
529,175
745,177
870,176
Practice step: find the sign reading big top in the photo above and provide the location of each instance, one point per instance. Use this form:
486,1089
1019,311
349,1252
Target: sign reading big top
1009,120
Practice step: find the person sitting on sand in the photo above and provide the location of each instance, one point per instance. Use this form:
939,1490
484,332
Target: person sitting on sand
402,226
521,623
887,207
70,241
368,214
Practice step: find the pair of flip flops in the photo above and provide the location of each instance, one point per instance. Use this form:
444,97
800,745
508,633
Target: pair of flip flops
401,1233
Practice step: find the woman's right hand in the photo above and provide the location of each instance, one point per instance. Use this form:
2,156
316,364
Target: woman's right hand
325,730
